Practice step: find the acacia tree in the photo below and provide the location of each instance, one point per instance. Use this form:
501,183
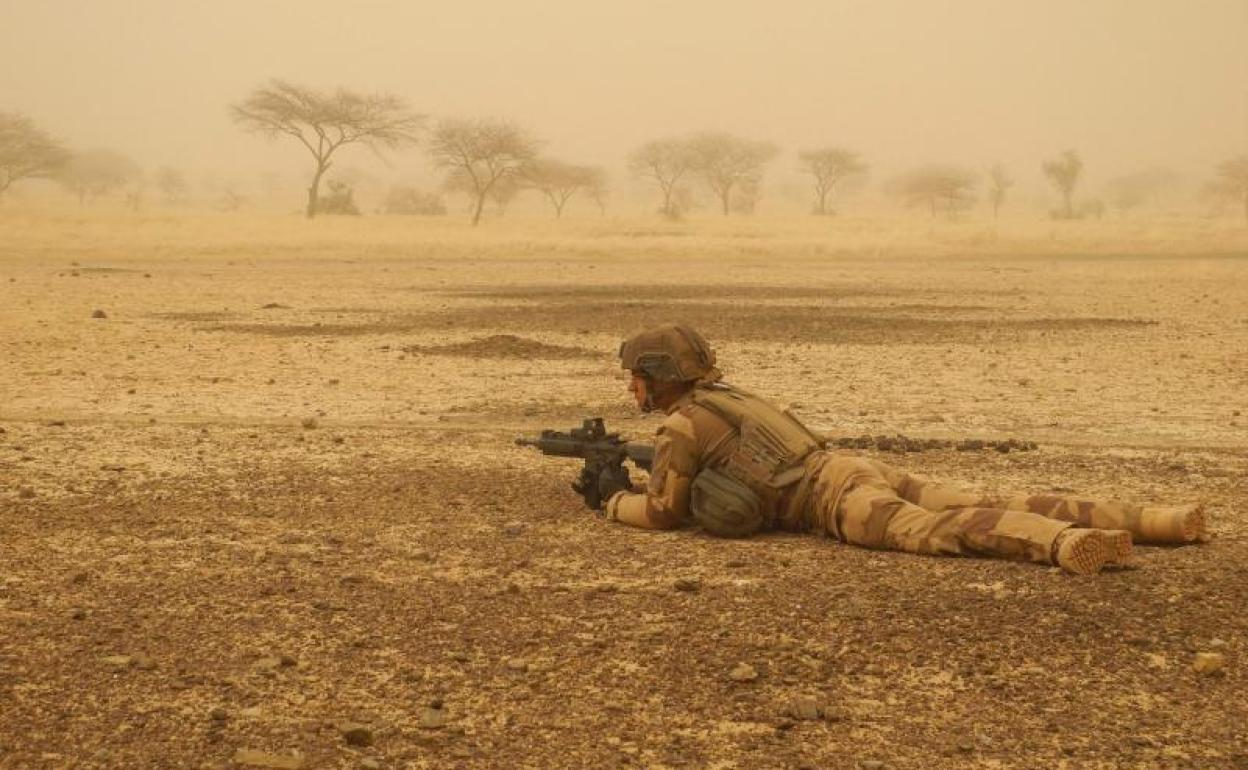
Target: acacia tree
323,122
727,164
1231,182
172,184
481,156
666,162
558,181
95,173
26,151
999,183
828,166
1064,172
598,189
938,187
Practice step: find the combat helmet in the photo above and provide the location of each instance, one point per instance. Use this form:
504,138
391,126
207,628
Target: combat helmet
670,353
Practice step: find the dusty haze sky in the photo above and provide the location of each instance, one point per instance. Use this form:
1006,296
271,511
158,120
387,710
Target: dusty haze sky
1130,83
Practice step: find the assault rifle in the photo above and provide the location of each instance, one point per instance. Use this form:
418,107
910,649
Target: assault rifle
599,449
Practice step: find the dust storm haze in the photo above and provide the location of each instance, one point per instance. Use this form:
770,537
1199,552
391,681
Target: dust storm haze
1130,85
282,283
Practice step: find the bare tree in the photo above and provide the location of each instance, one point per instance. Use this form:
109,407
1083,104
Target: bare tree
172,184
323,122
1231,182
598,189
480,155
999,184
667,162
26,151
828,166
558,181
1064,172
94,173
937,187
727,162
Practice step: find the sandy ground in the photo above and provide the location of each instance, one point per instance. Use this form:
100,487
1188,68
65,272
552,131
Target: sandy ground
267,509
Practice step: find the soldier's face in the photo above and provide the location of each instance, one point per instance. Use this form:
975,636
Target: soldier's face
637,387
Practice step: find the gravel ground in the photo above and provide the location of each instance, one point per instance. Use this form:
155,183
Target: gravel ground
234,535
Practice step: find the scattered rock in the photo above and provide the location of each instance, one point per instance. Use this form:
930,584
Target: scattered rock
688,585
99,314
871,764
356,734
117,661
433,717
265,759
1209,663
310,423
145,662
274,306
269,661
734,564
112,467
513,528
743,672
78,614
804,708
287,661
517,664
370,764
25,493
218,714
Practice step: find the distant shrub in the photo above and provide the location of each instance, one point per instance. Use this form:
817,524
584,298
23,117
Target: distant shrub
339,200
412,202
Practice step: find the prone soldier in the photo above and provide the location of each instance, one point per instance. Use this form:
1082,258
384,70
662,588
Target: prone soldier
737,465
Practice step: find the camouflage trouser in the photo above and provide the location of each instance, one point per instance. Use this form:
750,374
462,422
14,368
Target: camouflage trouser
868,503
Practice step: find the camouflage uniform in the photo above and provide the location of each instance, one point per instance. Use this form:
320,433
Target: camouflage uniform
770,472
868,503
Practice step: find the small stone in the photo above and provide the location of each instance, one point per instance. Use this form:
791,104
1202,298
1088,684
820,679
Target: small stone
269,661
25,493
356,735
99,314
734,564
310,423
218,714
513,528
265,759
743,672
433,718
115,468
517,664
117,661
79,614
144,662
688,585
287,661
871,764
370,764
805,707
1209,663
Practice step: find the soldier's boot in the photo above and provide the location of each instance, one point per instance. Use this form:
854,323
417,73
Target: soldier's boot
1172,524
1087,551
1120,546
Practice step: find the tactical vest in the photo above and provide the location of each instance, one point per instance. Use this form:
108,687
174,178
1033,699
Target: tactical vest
773,444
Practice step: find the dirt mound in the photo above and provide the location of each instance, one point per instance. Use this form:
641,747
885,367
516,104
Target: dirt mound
503,346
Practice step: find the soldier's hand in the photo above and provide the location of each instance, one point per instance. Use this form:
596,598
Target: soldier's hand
586,485
612,479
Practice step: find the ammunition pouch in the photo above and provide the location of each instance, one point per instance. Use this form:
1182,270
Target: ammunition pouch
724,506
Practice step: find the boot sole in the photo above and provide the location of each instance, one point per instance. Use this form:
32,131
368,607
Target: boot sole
1083,553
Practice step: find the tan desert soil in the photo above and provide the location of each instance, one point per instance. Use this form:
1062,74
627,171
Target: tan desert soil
230,528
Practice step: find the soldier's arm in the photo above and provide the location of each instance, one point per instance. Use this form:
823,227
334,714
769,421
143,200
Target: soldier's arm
665,502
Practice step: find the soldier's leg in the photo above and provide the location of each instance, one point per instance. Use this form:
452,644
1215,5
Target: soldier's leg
1147,524
867,511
